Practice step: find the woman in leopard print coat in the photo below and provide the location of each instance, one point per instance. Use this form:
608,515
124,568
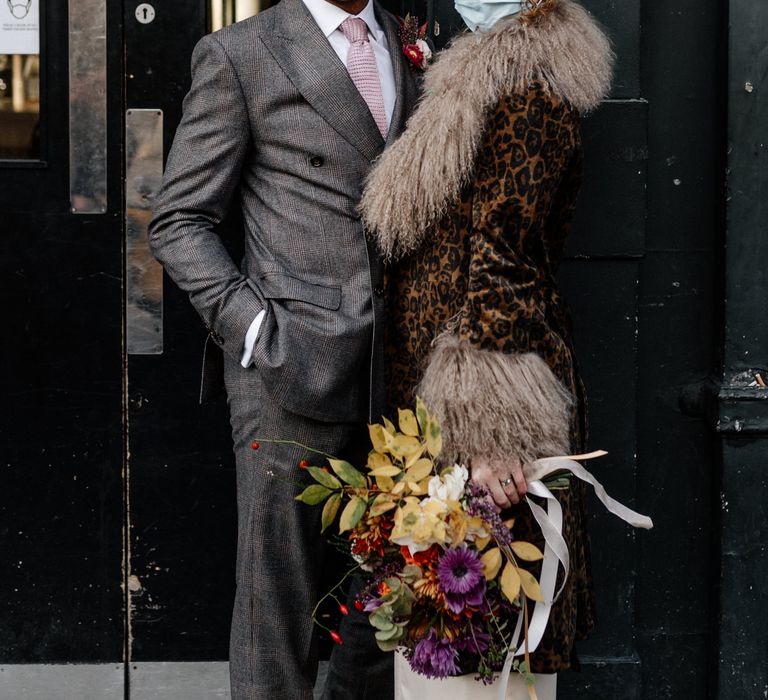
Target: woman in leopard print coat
472,207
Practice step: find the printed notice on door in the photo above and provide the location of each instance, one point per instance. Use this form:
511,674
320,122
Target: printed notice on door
19,26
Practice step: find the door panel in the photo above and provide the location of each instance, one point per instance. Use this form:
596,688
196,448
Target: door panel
603,301
611,214
182,500
61,489
679,346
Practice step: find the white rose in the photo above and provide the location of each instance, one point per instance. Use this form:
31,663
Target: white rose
449,486
456,479
424,46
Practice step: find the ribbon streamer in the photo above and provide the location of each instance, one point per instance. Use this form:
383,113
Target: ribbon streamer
548,465
555,549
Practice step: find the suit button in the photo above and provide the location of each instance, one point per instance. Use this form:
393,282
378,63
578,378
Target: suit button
316,161
378,290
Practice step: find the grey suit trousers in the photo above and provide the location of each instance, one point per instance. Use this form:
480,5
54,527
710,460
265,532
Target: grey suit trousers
281,555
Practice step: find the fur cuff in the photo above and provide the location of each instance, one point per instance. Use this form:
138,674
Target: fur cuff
495,404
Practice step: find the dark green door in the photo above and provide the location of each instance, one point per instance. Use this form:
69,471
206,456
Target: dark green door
643,278
117,508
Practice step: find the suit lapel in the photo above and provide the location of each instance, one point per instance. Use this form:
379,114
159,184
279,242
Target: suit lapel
312,65
405,85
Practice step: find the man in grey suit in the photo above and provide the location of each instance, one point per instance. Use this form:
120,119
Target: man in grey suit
287,111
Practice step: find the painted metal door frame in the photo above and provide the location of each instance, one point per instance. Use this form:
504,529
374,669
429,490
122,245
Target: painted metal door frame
743,414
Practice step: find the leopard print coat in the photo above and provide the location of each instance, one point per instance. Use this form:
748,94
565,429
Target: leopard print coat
488,275
472,206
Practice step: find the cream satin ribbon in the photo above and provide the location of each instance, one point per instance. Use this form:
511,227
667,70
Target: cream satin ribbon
556,549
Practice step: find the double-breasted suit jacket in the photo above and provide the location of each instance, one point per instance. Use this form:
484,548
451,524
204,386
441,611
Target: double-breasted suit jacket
274,119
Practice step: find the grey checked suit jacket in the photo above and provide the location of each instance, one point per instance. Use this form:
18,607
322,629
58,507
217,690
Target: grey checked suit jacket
273,118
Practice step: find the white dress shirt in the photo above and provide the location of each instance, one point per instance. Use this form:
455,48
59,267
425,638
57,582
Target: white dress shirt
329,18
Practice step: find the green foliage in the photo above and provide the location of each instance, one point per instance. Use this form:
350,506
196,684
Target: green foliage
330,510
347,473
312,495
323,477
522,668
391,618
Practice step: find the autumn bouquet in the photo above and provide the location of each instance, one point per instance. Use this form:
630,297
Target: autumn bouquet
446,576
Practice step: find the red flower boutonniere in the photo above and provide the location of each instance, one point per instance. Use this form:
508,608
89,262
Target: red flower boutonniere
415,46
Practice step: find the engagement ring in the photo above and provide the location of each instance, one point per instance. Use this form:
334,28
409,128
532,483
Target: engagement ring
507,481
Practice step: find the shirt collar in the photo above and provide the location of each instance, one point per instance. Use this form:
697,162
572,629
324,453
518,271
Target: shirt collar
329,17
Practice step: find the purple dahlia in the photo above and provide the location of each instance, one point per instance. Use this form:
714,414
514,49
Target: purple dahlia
435,658
462,582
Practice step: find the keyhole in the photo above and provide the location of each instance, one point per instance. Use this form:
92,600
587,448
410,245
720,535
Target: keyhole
145,13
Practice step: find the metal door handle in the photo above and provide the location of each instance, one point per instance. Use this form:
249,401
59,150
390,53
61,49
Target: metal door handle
88,106
143,274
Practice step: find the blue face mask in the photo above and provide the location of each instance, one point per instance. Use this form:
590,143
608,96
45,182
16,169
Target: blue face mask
483,14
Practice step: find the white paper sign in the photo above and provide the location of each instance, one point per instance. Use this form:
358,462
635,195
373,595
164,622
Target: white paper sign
19,26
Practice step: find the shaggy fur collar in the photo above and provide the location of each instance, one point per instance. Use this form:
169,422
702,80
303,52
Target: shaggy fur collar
423,172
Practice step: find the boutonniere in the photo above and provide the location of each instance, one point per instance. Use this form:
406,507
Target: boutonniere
416,46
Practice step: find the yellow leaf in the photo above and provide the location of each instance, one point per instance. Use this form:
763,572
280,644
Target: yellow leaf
389,427
415,487
381,498
351,514
381,504
491,563
420,470
434,438
481,543
378,440
527,551
376,459
404,446
414,456
510,523
530,585
459,527
381,509
384,483
407,421
510,582
385,471
398,488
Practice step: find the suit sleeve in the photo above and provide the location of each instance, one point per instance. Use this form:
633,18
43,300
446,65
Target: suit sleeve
486,379
201,176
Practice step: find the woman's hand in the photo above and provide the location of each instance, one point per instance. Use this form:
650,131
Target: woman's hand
503,478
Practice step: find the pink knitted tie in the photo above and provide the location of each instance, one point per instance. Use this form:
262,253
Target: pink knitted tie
361,64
